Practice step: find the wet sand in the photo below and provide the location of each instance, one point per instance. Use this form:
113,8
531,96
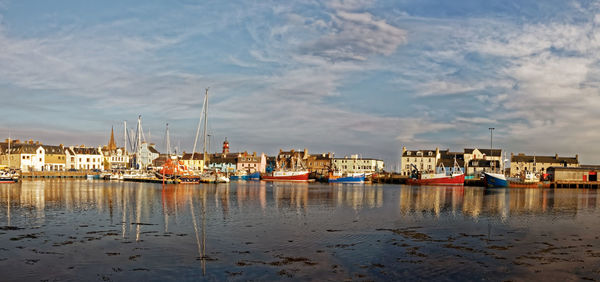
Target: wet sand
96,230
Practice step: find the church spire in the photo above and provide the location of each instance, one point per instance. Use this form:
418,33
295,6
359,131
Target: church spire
112,146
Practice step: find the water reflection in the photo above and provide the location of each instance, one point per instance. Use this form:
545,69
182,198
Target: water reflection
135,202
252,228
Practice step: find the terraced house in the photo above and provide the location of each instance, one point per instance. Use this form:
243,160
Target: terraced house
55,158
539,164
423,160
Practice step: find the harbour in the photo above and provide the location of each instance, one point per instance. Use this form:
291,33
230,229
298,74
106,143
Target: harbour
100,230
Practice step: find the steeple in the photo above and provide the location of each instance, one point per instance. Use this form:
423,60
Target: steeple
112,146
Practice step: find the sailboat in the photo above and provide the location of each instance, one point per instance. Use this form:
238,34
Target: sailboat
213,176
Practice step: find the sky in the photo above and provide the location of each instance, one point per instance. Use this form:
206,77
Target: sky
360,77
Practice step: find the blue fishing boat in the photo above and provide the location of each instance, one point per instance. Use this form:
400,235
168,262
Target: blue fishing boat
254,176
238,177
346,178
495,180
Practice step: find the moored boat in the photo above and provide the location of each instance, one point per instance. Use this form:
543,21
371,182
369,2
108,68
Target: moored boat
9,177
495,180
239,175
455,177
254,176
338,177
437,179
282,175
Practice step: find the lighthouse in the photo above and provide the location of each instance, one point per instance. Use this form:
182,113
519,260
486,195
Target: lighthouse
225,146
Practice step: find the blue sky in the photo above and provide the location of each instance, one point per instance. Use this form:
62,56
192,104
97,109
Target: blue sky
358,76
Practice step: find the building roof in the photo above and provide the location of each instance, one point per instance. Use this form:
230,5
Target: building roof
153,150
522,158
54,150
188,156
487,152
85,151
22,148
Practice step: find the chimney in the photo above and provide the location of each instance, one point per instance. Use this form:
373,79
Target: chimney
61,146
17,141
305,153
556,156
30,142
577,157
37,142
6,140
254,154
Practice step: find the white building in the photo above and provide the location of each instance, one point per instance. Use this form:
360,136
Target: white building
84,158
146,155
423,160
354,164
116,159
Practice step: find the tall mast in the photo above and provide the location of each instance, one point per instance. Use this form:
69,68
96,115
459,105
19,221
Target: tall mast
125,137
138,145
198,129
168,143
205,125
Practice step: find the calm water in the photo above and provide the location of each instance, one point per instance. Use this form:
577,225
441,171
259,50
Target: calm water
96,230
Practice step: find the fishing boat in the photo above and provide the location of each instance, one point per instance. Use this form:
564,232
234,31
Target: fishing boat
495,180
254,176
239,175
456,177
525,180
339,177
283,175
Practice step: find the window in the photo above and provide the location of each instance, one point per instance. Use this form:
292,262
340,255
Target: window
430,153
408,153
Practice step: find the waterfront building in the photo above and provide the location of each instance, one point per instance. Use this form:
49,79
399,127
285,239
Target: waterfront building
84,158
113,156
55,158
477,166
194,163
319,163
424,160
27,156
484,154
146,155
251,162
539,164
223,162
354,164
573,174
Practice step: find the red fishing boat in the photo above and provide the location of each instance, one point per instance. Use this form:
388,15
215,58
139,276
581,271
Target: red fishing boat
456,177
297,176
437,179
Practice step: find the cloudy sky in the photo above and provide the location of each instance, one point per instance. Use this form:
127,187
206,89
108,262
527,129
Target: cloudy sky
354,76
